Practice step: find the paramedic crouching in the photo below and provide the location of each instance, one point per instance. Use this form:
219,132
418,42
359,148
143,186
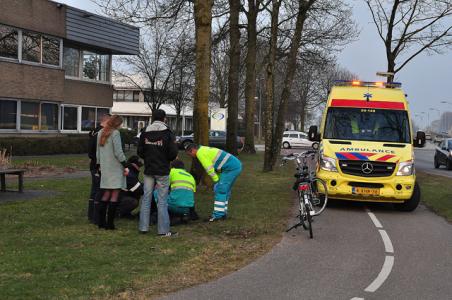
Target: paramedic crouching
228,168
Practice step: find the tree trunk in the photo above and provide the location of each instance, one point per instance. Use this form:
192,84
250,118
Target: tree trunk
250,85
203,23
290,72
178,122
303,116
269,86
233,77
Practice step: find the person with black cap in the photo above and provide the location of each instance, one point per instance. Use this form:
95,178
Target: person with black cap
130,197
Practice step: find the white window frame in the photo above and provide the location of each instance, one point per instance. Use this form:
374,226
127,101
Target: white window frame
62,130
19,121
17,114
20,59
95,119
80,69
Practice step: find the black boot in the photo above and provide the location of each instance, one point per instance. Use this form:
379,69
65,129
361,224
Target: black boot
102,211
91,210
111,215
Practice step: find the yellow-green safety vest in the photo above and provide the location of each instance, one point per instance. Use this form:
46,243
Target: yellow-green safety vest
207,156
181,179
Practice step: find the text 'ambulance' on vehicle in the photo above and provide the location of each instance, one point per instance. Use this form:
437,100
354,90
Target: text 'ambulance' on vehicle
366,144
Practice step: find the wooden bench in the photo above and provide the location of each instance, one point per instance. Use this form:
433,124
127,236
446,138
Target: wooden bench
18,172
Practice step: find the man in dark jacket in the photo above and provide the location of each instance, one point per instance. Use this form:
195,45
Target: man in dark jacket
158,148
93,167
130,197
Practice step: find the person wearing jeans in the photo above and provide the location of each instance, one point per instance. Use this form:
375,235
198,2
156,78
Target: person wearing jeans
157,148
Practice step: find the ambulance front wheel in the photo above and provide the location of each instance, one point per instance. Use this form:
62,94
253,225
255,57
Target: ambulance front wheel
286,145
413,202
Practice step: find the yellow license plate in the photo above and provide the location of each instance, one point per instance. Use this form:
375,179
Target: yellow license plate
365,191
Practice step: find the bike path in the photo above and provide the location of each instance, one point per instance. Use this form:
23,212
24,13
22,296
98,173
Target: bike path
340,260
347,256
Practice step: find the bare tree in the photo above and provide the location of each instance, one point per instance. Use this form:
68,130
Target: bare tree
203,21
220,63
182,81
233,76
270,85
408,28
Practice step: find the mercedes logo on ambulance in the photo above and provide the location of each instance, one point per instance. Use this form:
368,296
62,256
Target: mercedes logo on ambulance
367,168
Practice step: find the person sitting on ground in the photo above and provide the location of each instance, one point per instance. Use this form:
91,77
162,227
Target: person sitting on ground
181,199
129,198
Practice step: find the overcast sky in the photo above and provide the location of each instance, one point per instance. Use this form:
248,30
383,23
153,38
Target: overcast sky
427,79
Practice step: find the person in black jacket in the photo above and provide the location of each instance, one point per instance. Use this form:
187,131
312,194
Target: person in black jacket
130,197
157,148
95,192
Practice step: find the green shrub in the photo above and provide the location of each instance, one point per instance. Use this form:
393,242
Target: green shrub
45,145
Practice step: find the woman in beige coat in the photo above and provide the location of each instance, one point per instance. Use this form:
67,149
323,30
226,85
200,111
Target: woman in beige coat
112,161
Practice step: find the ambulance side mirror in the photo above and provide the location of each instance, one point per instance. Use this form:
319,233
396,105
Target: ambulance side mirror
313,134
420,139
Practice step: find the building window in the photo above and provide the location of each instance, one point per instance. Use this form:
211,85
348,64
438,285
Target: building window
50,51
128,96
41,49
8,111
96,66
49,116
88,118
71,61
188,124
69,118
8,42
100,113
31,47
29,116
136,96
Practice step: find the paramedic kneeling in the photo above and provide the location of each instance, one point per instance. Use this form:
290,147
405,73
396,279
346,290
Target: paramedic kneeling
229,168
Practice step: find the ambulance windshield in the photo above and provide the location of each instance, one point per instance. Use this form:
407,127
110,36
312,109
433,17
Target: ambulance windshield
364,124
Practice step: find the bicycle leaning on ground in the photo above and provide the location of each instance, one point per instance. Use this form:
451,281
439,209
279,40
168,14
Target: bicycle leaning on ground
312,191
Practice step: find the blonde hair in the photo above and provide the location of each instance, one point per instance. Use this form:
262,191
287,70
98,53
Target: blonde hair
113,123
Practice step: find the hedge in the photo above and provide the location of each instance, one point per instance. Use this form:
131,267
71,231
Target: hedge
45,145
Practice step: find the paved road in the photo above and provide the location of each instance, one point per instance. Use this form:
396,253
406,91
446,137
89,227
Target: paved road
424,162
358,252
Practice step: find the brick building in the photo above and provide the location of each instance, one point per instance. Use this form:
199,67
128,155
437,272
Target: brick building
55,66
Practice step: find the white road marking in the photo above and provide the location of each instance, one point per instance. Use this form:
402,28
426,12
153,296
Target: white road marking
357,298
384,273
374,219
386,241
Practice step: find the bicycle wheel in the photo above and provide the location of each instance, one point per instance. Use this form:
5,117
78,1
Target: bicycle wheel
309,219
319,198
302,209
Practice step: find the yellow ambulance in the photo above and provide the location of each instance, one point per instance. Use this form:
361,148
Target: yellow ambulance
366,144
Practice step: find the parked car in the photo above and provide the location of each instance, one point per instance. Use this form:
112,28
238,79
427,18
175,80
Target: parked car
443,154
295,139
216,139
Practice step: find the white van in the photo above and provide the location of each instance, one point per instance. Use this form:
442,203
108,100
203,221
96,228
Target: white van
295,139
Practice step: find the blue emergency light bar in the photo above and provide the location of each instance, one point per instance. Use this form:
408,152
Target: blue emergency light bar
380,84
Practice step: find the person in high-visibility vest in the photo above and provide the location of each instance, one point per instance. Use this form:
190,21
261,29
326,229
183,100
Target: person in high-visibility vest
223,168
181,199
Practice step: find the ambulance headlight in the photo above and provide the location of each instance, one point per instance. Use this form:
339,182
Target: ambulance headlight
406,168
328,164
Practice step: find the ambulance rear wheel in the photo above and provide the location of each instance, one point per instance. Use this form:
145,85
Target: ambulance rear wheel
286,145
412,203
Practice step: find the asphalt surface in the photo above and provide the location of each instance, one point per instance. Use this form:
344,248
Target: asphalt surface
359,251
424,162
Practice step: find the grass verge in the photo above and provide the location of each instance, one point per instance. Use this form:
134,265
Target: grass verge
436,191
48,250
